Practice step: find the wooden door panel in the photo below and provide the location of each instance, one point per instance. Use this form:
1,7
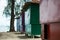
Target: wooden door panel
54,31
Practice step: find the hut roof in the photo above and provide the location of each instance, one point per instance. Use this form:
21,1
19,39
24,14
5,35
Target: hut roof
27,4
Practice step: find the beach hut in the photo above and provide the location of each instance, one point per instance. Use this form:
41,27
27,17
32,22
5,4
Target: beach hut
33,27
50,19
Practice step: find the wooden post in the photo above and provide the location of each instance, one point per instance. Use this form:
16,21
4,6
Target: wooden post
23,22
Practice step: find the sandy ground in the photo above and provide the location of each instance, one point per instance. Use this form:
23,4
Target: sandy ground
15,36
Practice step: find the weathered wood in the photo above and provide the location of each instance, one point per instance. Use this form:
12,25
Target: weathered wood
53,31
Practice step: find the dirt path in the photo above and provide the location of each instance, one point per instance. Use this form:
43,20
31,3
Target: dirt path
15,36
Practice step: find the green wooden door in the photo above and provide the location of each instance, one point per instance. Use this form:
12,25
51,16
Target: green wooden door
34,15
36,29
